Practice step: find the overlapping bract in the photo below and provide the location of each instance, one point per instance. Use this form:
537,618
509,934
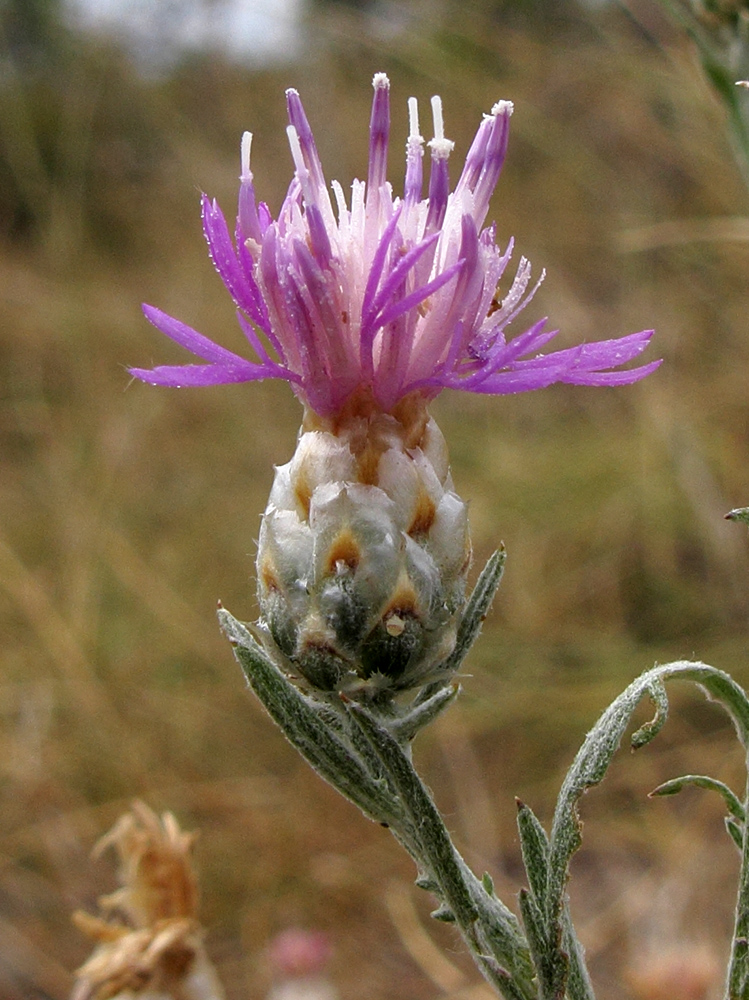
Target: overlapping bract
388,296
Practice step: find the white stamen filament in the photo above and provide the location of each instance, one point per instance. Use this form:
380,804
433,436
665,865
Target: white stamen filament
440,146
340,199
246,174
296,150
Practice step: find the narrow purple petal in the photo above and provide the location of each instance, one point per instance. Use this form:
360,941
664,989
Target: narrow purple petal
188,338
379,134
256,343
318,236
507,382
612,378
439,189
241,286
265,216
494,159
396,278
475,157
416,297
179,376
298,119
599,354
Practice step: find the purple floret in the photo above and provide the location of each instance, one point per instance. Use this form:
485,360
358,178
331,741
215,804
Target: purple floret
386,295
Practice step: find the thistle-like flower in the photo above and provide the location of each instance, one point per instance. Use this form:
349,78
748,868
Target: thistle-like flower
369,311
159,951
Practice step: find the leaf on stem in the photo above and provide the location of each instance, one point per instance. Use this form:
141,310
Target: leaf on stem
535,847
675,785
304,724
476,610
589,768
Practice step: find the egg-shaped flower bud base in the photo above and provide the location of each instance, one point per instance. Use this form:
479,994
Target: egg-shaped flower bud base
364,551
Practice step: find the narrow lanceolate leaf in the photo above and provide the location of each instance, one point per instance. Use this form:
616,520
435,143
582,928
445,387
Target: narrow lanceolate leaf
535,847
405,728
735,832
731,800
535,929
650,730
549,959
579,986
490,929
476,609
301,723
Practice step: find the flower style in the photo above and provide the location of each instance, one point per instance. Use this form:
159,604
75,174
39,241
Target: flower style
369,312
392,295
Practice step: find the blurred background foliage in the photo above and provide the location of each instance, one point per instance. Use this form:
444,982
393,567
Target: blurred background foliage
128,510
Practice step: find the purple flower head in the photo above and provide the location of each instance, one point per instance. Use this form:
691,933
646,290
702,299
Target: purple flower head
387,295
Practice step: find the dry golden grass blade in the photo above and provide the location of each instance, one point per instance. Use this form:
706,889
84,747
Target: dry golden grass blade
427,955
677,232
164,603
476,807
62,645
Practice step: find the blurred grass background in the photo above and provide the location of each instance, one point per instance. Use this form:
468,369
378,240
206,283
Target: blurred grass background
128,510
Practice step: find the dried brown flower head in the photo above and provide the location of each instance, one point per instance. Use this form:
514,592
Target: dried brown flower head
156,952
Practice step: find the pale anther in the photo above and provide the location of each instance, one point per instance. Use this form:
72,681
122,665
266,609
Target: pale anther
413,120
296,150
246,174
439,125
503,108
440,146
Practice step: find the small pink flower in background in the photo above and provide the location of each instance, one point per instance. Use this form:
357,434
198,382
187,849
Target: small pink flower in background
298,958
386,296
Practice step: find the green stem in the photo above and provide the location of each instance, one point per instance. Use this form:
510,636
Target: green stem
738,969
490,930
